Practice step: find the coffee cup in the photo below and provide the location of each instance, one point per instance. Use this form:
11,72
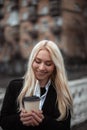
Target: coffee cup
31,103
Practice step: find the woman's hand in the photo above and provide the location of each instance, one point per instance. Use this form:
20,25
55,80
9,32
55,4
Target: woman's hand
32,118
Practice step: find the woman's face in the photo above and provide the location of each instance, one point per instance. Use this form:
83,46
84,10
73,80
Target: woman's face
43,66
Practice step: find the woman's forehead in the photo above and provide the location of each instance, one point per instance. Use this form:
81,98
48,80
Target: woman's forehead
44,54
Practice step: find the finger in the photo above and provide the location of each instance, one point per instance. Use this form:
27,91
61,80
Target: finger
34,122
26,120
37,117
38,113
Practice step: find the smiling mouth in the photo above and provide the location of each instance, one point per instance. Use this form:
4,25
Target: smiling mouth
41,73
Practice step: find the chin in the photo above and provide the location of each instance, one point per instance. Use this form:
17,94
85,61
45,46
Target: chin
39,78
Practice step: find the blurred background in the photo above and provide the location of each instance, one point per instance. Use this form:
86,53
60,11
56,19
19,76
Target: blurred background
23,23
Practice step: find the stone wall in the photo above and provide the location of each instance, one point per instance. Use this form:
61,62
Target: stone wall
79,92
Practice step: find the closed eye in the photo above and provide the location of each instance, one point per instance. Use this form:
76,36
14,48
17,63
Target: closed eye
37,61
47,63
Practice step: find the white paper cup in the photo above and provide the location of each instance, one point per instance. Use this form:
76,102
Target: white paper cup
31,103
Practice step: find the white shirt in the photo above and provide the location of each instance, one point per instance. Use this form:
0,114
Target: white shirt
37,92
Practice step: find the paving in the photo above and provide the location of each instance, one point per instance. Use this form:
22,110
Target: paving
81,126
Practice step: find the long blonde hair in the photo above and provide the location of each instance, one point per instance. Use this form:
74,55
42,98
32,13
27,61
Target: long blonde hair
59,78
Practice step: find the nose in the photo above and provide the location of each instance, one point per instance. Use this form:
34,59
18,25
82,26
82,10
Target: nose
42,66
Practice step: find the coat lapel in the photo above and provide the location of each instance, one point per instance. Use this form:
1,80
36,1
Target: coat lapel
49,106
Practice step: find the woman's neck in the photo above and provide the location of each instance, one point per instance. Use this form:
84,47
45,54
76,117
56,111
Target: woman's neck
43,83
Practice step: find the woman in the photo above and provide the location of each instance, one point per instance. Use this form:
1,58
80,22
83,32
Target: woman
45,70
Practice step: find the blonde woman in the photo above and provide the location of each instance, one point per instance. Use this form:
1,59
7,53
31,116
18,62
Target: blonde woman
45,71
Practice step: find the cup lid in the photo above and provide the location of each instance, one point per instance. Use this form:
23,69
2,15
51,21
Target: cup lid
31,98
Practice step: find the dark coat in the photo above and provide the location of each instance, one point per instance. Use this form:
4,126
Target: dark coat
9,116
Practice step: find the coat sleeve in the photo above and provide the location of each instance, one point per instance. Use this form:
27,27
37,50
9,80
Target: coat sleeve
9,117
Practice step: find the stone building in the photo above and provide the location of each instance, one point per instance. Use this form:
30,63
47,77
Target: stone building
25,22
74,29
